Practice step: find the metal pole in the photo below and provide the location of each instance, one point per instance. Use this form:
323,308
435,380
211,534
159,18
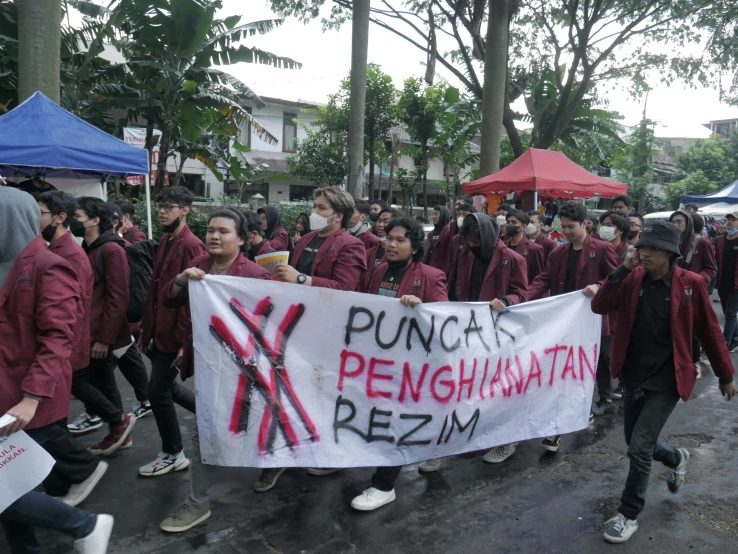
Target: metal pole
147,184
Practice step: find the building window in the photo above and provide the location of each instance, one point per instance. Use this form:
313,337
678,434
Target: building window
289,132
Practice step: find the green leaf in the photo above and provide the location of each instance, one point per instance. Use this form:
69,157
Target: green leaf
189,86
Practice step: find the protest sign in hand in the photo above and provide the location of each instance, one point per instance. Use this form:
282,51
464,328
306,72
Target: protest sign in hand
296,376
271,261
23,465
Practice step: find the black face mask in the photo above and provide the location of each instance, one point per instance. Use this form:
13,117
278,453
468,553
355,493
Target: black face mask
78,229
476,250
373,217
512,229
172,226
632,234
48,233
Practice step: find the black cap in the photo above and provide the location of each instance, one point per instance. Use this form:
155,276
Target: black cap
115,211
663,235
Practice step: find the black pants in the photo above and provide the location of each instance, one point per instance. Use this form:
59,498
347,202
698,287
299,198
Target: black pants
604,382
696,348
384,478
132,367
164,392
74,463
96,388
645,414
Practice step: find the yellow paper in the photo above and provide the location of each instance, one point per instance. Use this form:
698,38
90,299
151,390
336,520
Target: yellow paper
271,261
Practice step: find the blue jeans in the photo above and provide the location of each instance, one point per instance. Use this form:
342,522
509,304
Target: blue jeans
729,303
645,413
36,509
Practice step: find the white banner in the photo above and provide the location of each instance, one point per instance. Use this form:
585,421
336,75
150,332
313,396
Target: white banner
295,376
136,136
23,465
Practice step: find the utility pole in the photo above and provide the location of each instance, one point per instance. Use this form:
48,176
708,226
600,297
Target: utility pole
357,98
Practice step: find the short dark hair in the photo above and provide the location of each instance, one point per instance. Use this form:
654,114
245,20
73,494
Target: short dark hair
414,232
176,195
574,211
420,219
396,212
639,216
520,215
95,207
253,221
239,222
699,223
467,207
625,199
506,207
620,221
464,198
382,203
695,207
363,207
470,228
59,202
126,207
538,214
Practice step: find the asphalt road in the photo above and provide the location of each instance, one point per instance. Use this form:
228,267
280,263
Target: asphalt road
534,502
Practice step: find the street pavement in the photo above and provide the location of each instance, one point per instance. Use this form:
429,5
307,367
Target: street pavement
534,502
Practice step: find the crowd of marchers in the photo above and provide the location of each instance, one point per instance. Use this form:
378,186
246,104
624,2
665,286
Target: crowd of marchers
83,291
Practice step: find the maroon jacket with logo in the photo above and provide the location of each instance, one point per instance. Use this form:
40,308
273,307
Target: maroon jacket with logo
423,281
134,235
691,312
66,247
241,267
703,259
720,243
38,306
438,256
548,246
167,326
371,259
533,256
369,239
596,262
108,322
506,276
339,263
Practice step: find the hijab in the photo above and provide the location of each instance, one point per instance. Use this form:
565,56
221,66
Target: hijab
20,222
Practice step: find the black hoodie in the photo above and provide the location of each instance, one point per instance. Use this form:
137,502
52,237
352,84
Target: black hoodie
489,235
274,221
688,233
443,219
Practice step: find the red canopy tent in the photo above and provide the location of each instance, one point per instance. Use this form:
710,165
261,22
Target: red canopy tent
547,173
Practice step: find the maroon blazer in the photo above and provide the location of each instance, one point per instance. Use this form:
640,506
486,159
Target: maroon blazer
38,306
438,256
66,247
281,241
533,256
506,276
691,312
596,262
168,327
423,281
338,264
135,235
369,239
368,274
703,259
720,243
109,304
548,246
241,267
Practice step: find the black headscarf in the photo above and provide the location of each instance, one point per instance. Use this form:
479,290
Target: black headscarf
489,235
274,222
305,222
443,218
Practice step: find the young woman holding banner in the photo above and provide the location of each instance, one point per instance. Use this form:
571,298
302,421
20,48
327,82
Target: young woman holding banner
227,241
403,277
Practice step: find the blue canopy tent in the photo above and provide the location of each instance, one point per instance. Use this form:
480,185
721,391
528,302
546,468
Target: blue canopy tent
40,137
729,195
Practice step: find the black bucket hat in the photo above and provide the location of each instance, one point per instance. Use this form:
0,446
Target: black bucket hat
663,235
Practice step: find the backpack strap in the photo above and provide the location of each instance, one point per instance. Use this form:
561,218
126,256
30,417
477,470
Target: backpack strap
690,255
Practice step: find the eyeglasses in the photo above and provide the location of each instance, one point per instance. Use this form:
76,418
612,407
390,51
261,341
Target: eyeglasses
44,213
636,225
166,208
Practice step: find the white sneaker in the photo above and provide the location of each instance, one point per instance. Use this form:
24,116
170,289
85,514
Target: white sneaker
84,424
371,499
430,466
163,464
77,493
499,454
619,529
97,541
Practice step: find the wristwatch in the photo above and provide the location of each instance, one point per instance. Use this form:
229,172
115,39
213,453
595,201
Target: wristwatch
301,278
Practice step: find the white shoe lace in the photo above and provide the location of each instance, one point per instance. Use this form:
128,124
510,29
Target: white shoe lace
81,418
618,523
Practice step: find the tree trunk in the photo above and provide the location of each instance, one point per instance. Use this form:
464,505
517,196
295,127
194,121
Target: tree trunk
163,155
391,178
371,165
425,182
495,76
39,48
357,97
448,187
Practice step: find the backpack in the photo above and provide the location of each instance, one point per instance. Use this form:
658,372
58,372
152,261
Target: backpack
141,256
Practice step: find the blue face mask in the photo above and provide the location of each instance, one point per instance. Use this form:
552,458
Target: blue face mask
732,232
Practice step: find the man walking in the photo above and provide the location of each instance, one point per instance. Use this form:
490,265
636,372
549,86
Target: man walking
658,306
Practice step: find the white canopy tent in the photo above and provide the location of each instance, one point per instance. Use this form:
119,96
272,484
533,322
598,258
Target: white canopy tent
719,209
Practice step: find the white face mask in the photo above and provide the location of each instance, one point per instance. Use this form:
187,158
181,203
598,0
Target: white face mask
460,221
530,229
607,233
318,222
353,230
501,220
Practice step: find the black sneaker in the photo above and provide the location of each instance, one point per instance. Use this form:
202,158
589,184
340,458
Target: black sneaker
84,424
617,394
141,410
733,346
551,443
